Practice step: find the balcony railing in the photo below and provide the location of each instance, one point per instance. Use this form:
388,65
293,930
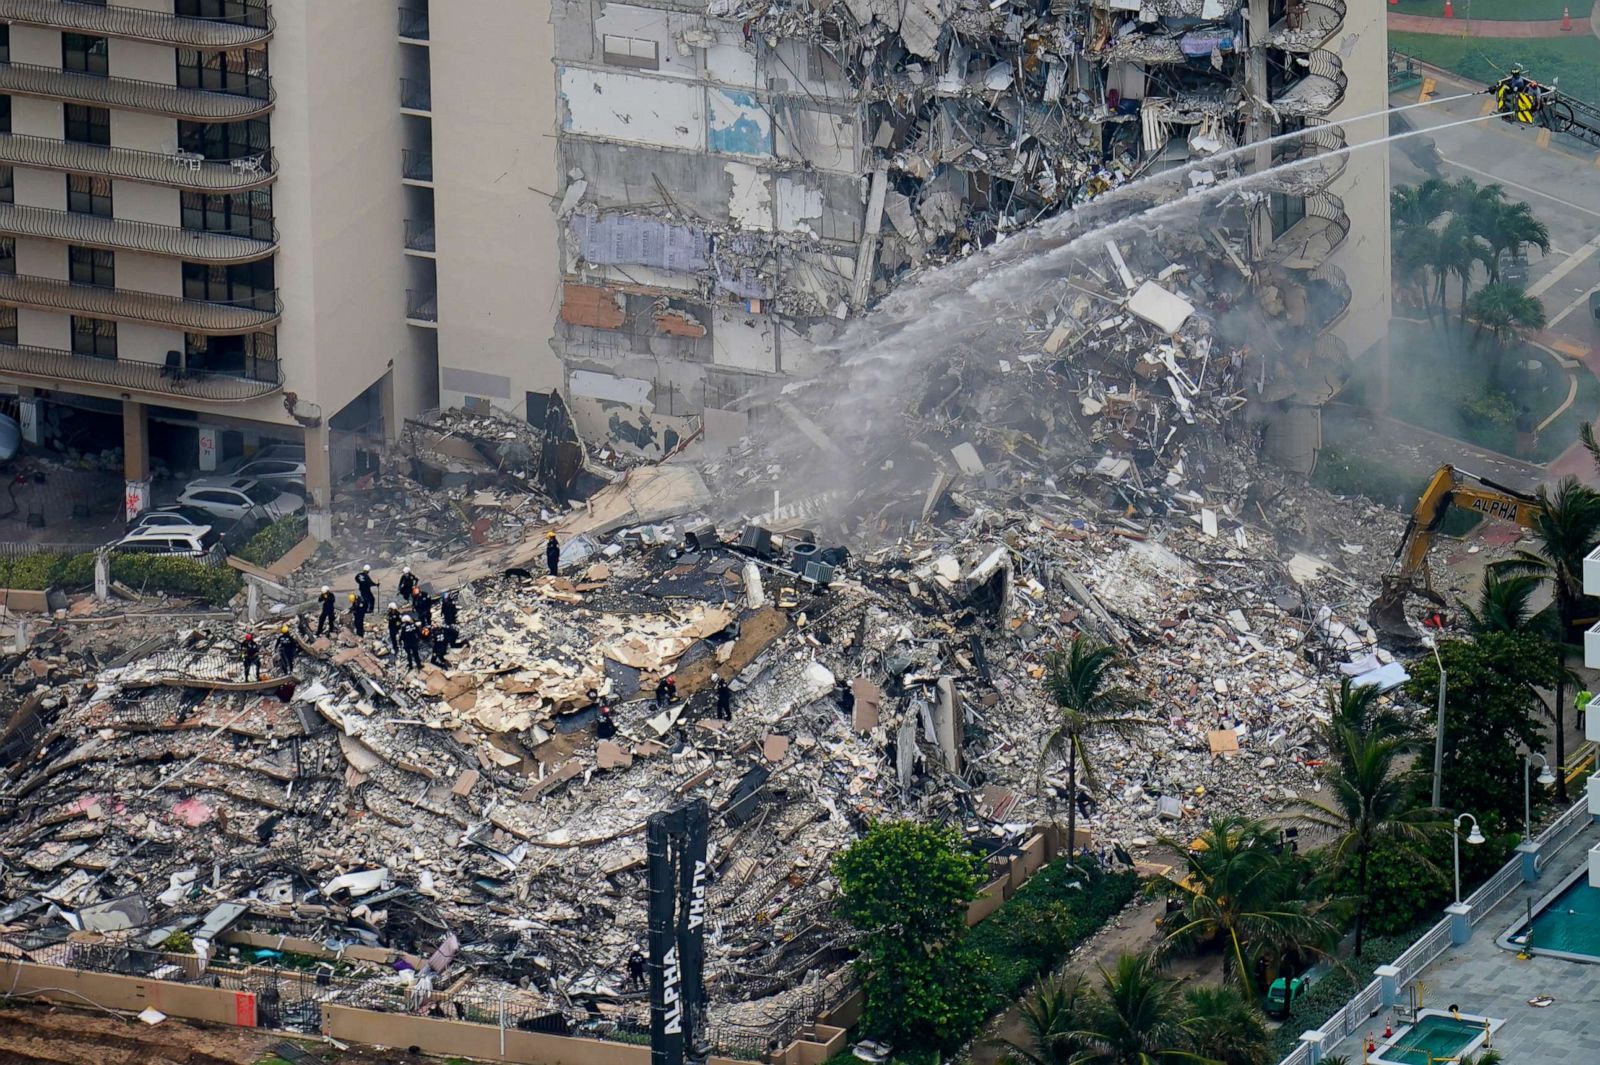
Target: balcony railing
138,24
1308,243
419,234
1318,91
422,306
416,94
182,171
1329,296
122,234
129,94
416,166
150,308
1312,29
54,368
414,23
1317,157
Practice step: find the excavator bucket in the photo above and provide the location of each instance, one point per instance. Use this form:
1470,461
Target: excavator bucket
1387,613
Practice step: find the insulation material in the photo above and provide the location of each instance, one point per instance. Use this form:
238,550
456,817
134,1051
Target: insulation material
612,239
628,107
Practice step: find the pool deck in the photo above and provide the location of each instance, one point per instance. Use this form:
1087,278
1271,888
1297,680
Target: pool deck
1485,979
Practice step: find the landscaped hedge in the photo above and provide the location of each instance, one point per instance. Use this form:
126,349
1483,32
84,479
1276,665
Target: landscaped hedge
1033,930
274,541
172,574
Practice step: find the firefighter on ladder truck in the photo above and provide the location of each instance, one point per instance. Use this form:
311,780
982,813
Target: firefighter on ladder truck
1518,97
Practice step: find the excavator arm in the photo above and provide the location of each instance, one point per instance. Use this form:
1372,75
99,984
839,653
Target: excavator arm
1449,487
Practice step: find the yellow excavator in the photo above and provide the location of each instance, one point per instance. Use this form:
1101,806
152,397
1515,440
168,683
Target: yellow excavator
1450,487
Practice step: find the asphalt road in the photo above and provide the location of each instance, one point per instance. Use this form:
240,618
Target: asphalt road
1559,178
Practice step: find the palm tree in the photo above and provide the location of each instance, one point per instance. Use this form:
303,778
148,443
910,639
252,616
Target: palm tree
1419,206
1242,891
1224,1025
1360,710
1566,528
1051,1015
1086,707
1504,604
1502,311
1371,796
1509,226
1136,1017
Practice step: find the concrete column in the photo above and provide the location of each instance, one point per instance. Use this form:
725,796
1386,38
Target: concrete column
1314,1042
135,458
29,410
319,483
1391,985
1460,923
1530,860
392,418
102,576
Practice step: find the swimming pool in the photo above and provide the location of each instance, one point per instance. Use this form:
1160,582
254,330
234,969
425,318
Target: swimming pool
1434,1035
1566,923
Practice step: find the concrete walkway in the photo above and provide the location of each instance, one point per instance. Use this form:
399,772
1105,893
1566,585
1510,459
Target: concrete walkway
1481,27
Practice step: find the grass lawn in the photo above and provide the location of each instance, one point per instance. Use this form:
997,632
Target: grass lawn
1440,383
1574,60
1500,10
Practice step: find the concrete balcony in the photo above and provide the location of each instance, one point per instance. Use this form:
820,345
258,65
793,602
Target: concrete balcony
1591,572
1310,31
416,95
151,168
1309,163
122,234
56,369
1308,243
1315,92
414,25
422,308
138,24
1591,659
1329,297
416,166
419,236
146,308
129,94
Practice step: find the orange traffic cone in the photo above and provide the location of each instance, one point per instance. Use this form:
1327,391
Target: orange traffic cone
1449,9
1566,20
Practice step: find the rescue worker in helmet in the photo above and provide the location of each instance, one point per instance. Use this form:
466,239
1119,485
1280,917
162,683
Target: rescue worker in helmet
1514,87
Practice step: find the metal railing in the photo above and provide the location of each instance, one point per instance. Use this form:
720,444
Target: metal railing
414,23
419,234
416,94
1317,235
1318,91
1494,891
123,234
416,165
422,306
131,305
131,94
56,367
1562,830
1315,160
1330,311
157,168
1320,20
254,25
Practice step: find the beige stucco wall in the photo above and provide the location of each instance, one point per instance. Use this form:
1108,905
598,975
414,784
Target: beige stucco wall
494,158
1363,47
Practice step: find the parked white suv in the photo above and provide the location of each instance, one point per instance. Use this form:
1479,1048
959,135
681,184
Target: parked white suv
238,497
192,541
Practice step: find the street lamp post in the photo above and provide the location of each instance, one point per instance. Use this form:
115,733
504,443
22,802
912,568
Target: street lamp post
1546,778
1438,733
1474,837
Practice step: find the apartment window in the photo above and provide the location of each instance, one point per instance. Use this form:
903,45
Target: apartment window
245,285
5,113
91,266
244,214
85,125
85,54
226,140
239,71
8,256
640,52
253,355
237,12
5,42
8,191
8,325
94,336
1285,211
89,195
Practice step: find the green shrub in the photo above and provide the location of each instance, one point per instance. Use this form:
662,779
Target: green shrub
1034,929
1403,892
179,943
274,541
31,572
175,575
77,572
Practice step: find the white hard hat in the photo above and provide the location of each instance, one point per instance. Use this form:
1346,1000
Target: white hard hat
405,569
325,587
394,606
366,569
716,676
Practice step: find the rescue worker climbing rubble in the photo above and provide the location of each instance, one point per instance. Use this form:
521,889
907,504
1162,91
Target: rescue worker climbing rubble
252,656
366,586
287,649
407,584
358,614
394,627
325,611
411,640
552,552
